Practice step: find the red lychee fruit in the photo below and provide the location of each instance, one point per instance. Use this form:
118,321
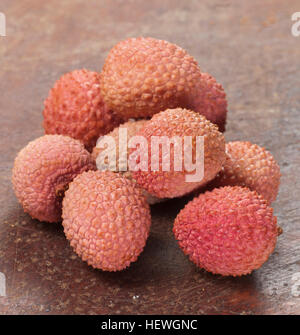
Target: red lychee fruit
252,166
229,231
106,219
170,175
121,165
143,76
42,171
75,108
209,99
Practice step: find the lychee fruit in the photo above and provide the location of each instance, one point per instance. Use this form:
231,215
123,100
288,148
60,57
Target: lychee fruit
209,99
121,161
143,76
42,171
75,108
182,162
252,166
229,231
106,219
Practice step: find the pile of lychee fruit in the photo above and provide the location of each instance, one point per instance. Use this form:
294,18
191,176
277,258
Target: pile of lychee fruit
151,88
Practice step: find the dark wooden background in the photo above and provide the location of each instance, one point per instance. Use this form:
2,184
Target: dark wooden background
249,48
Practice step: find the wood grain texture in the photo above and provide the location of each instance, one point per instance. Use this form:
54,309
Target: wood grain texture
248,47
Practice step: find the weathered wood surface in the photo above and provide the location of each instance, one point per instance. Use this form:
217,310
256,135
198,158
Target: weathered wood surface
249,48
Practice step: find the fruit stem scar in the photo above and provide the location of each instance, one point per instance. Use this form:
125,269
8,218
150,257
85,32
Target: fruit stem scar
60,190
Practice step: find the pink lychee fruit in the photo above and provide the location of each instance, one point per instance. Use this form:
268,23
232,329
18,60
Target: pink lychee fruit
143,76
209,99
229,231
183,163
42,171
106,219
75,108
252,166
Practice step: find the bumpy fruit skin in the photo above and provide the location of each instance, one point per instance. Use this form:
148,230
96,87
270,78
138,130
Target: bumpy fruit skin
143,76
132,129
209,99
251,166
42,171
75,108
179,122
106,219
230,231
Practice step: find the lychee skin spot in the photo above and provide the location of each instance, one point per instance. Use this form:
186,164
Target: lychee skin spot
106,219
143,76
251,166
42,171
229,231
180,122
75,108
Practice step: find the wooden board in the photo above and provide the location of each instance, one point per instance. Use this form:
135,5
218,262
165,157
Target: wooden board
249,48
